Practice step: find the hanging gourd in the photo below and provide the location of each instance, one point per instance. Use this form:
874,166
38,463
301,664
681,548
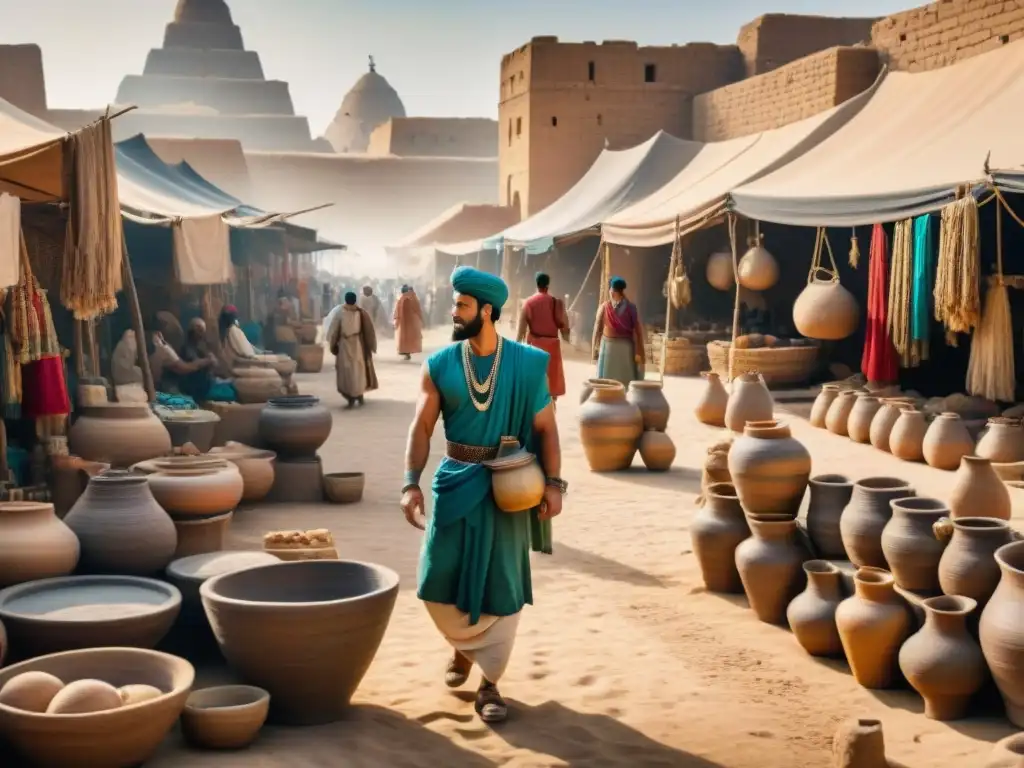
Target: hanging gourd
758,269
679,291
719,271
824,309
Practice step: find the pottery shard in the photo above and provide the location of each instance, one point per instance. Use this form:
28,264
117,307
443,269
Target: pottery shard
859,744
319,537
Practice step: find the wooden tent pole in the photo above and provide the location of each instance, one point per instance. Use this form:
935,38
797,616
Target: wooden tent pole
736,302
90,342
78,349
128,279
673,262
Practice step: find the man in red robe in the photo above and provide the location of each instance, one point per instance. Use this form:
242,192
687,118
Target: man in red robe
541,323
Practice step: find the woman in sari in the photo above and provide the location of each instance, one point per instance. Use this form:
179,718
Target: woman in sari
618,343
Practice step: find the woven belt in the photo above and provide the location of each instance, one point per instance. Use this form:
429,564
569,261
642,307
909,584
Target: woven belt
470,454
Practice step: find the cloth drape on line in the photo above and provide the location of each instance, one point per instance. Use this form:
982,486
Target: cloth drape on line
921,290
899,290
202,251
957,274
878,362
10,239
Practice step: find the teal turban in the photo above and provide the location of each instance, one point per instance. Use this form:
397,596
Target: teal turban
482,286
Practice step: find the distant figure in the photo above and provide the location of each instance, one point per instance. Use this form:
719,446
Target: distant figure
542,323
408,323
618,343
233,343
200,384
372,305
353,344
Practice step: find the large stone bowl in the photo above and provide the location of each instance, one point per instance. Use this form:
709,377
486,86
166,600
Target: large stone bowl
115,738
305,631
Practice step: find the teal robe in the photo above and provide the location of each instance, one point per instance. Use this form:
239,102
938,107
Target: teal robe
475,556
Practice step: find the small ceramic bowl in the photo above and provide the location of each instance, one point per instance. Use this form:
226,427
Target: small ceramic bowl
344,487
224,717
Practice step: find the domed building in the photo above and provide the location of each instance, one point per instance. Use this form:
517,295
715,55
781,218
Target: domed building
369,104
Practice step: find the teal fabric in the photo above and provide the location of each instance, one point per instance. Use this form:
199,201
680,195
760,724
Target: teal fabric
923,279
254,333
222,392
476,557
175,402
617,361
483,286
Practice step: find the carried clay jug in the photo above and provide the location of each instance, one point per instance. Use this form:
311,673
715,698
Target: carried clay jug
1002,441
910,546
610,428
657,451
517,481
941,661
750,400
866,516
838,417
883,422
1002,631
968,565
770,469
828,393
978,491
711,405
829,496
758,270
825,310
946,442
873,623
769,564
716,529
812,613
858,426
119,434
34,543
906,439
649,397
1007,753
719,271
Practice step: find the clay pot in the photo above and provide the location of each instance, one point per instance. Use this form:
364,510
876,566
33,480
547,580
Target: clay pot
650,399
858,426
866,516
517,481
657,451
859,743
770,469
884,421
942,662
118,434
946,442
710,407
34,543
838,417
255,466
1002,631
197,427
295,426
968,566
1002,442
225,717
829,392
588,387
70,477
610,427
257,389
873,624
769,567
199,492
120,526
310,358
750,400
829,496
716,530
978,491
719,271
906,439
812,614
200,536
825,310
910,546
758,270
1008,753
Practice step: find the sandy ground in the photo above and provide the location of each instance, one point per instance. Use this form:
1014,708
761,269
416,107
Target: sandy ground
624,660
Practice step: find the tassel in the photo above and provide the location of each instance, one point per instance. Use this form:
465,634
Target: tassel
854,249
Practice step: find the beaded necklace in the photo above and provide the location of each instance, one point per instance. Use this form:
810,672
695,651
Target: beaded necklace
473,384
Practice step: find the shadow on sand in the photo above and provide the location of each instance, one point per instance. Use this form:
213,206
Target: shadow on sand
590,564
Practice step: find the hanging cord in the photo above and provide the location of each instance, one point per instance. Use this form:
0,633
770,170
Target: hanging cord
736,301
821,241
854,248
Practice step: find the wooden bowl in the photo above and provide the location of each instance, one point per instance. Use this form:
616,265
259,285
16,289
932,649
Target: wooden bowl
344,487
225,717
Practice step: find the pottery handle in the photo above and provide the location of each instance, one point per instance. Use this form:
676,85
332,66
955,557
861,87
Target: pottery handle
943,529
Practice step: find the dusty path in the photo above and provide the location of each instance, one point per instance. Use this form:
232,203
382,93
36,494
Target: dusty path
623,661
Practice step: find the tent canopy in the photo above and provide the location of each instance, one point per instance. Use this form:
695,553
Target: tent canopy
919,137
463,221
31,156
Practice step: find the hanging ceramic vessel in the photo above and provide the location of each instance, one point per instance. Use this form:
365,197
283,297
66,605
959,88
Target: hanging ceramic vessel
758,270
657,451
968,565
812,614
649,397
942,662
719,271
873,624
829,392
1002,631
978,491
750,400
711,405
119,434
769,564
34,543
770,469
716,530
838,417
1002,442
946,442
884,420
825,310
830,494
858,426
906,440
610,427
910,546
866,516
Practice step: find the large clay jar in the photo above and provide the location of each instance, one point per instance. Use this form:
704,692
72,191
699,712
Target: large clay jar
968,566
946,442
255,466
770,469
716,530
1007,753
198,492
1003,441
610,427
1002,631
750,400
941,661
838,417
884,421
758,270
295,426
978,491
906,439
34,543
710,407
118,434
910,546
858,426
769,564
829,392
825,309
121,528
812,614
657,450
829,496
873,623
588,387
719,271
650,399
866,516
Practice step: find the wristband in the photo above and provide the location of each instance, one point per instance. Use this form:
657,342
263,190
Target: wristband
412,476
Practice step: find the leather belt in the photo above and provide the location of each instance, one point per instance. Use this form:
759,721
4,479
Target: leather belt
469,454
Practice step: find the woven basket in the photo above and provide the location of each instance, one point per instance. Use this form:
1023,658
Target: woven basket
681,358
780,366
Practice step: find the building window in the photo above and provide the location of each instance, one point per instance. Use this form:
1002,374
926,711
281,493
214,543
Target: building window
511,84
554,122
591,71
521,77
650,73
519,126
510,132
600,120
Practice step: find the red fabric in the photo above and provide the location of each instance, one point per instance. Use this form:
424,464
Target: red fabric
44,391
556,372
540,315
620,324
879,361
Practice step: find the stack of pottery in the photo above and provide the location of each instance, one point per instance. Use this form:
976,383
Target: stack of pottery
872,624
656,448
197,427
118,434
710,408
946,441
749,400
610,426
295,427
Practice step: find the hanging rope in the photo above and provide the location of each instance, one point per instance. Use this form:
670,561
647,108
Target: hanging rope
957,292
854,249
900,282
736,301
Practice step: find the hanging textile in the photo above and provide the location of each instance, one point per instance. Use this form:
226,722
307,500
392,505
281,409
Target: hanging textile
921,289
10,368
10,237
878,362
899,289
957,293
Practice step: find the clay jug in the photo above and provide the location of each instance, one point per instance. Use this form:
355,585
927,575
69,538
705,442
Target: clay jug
838,417
884,421
866,516
120,526
829,392
34,543
941,661
946,441
119,434
295,426
769,468
812,614
650,399
657,450
750,401
1002,631
829,496
588,387
1003,441
968,565
610,427
710,407
758,270
719,271
873,623
716,530
910,546
906,439
825,310
978,491
1007,753
858,426
769,567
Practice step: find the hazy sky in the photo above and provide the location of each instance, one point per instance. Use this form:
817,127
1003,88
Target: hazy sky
442,56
